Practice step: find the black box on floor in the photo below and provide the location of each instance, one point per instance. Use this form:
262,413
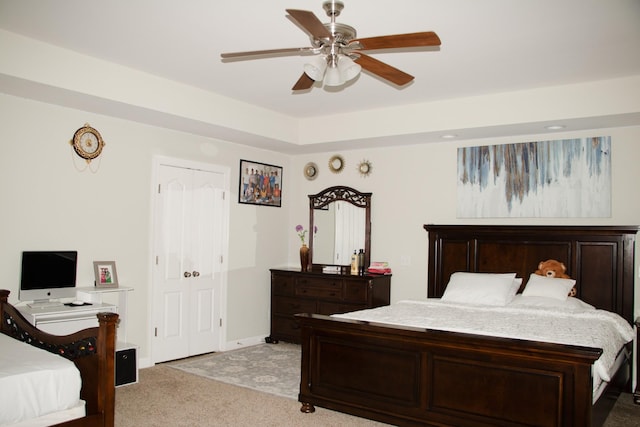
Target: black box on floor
126,366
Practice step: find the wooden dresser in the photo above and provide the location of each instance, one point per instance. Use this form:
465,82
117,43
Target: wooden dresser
293,291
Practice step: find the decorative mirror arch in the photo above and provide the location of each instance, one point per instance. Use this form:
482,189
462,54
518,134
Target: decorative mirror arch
329,199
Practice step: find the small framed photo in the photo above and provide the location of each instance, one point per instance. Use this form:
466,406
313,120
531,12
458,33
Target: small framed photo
105,274
260,184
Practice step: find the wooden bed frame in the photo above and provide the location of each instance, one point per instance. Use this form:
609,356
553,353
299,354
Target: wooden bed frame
92,350
412,376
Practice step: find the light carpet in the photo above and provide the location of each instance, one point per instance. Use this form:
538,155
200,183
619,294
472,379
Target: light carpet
271,368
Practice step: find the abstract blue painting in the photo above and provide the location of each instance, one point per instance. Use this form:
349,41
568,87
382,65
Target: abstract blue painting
569,178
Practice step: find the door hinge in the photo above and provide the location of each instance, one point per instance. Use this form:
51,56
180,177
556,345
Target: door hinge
156,259
155,332
221,322
159,185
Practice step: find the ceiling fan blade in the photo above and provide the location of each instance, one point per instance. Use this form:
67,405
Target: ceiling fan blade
304,82
383,70
310,22
292,50
428,38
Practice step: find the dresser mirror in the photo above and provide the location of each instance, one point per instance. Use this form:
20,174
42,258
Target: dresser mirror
342,216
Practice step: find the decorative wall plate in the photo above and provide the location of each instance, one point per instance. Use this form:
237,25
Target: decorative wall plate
311,171
336,163
365,167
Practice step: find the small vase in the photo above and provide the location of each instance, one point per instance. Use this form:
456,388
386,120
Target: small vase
304,257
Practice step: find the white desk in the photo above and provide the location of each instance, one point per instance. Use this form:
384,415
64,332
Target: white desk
64,319
94,295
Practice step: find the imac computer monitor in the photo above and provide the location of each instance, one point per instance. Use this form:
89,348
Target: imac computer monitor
48,276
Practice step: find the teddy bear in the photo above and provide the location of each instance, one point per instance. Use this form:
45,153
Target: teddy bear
554,268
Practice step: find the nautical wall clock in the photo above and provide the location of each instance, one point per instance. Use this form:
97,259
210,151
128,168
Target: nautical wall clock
87,143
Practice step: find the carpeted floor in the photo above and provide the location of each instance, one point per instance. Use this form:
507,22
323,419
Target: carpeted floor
625,413
167,396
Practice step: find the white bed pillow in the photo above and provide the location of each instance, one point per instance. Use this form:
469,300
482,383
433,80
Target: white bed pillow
550,287
480,288
571,303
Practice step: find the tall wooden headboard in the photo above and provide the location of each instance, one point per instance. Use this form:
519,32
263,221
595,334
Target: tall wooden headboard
600,258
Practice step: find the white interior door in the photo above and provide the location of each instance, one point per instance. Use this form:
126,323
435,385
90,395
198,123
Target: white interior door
190,216
206,261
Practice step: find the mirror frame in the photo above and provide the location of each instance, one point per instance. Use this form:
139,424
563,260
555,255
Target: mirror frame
348,194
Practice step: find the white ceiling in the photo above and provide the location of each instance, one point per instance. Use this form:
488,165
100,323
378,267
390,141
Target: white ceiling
488,46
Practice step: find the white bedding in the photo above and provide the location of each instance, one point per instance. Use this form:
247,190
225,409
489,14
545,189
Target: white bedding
35,383
575,324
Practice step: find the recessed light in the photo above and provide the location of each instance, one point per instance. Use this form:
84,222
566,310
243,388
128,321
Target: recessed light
449,136
555,127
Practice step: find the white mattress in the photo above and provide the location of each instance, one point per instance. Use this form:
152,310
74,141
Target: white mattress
574,326
35,383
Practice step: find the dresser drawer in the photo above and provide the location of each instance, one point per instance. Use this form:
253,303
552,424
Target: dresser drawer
281,284
291,306
294,292
356,291
318,288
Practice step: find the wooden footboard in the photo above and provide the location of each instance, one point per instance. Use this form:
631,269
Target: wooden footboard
409,376
92,350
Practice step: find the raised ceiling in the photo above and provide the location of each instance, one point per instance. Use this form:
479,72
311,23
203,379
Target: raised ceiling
488,46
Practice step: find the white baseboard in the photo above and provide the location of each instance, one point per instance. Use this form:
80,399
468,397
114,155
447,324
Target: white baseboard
243,342
145,362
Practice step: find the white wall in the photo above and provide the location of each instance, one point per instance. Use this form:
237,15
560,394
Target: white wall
416,185
49,204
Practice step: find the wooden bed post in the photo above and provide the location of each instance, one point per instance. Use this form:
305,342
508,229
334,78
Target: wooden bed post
106,367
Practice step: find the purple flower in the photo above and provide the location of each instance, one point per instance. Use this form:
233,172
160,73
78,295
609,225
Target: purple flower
301,232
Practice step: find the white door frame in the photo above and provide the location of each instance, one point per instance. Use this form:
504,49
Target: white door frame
222,301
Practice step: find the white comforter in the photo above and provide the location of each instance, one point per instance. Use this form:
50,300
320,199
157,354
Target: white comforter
34,382
588,327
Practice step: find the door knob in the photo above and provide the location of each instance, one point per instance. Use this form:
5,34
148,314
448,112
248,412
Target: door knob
187,274
196,273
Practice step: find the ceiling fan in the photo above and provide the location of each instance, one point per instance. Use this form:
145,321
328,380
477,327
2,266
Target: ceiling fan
341,56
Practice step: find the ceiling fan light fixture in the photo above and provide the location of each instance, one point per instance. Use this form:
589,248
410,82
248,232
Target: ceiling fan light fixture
333,77
348,69
315,68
